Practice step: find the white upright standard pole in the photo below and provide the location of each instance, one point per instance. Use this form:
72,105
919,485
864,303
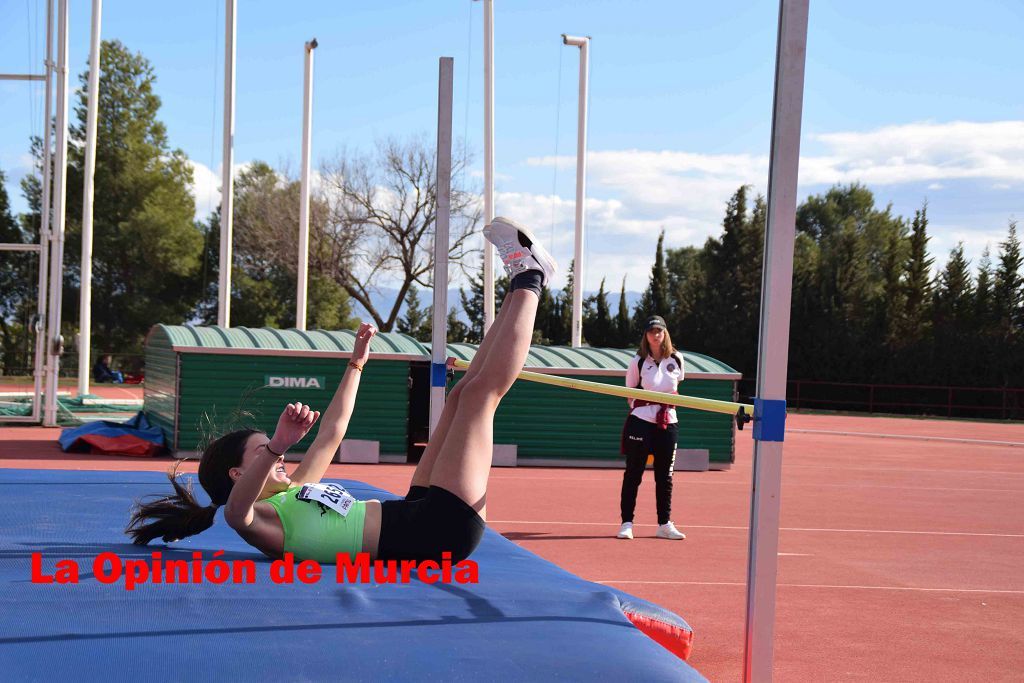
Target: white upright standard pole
42,362
54,338
488,160
85,290
439,331
581,187
227,172
773,352
307,132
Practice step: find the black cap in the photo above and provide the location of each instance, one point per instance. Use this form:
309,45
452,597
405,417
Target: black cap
654,321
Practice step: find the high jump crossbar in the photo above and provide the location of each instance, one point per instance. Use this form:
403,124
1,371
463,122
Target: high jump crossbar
705,404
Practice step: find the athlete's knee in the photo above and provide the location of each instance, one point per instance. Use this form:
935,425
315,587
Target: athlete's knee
456,391
479,392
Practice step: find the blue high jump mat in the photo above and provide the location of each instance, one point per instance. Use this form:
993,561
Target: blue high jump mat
523,619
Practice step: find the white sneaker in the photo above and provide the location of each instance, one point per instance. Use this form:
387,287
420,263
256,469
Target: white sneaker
671,532
519,250
625,531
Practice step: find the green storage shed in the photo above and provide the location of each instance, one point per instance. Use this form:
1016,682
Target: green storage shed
199,380
553,425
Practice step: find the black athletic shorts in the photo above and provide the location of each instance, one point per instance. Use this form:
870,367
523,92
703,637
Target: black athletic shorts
424,528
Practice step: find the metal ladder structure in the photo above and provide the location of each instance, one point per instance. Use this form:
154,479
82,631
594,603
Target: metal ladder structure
49,343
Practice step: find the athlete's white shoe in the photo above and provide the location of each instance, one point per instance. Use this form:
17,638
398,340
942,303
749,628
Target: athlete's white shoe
625,531
670,532
519,250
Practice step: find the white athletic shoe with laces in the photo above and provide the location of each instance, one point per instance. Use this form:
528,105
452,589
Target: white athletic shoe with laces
518,248
670,532
625,531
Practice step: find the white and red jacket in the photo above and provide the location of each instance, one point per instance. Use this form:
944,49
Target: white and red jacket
655,376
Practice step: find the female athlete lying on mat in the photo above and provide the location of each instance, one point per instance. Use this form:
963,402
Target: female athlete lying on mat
445,508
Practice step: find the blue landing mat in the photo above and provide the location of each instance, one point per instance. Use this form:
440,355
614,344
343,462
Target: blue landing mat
526,619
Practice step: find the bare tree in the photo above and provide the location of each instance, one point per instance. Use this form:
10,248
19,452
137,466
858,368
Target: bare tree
383,216
266,230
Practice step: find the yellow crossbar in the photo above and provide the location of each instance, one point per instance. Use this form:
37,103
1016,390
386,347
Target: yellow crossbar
706,404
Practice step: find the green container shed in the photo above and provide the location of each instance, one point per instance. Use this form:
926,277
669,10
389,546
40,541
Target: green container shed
554,425
200,379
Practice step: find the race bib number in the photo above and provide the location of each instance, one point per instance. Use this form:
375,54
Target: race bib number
331,495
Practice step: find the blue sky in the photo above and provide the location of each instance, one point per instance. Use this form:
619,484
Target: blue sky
919,100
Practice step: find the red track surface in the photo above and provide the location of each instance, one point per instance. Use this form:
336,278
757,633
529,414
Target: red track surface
900,559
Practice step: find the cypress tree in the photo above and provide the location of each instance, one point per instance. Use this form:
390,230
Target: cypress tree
417,322
622,321
473,304
1008,296
457,330
597,326
917,276
951,311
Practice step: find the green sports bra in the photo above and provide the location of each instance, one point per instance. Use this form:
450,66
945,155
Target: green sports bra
320,521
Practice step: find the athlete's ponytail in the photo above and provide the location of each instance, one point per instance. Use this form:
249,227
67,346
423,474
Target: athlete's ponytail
179,515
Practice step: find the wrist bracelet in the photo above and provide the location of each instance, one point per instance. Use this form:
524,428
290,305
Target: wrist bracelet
354,365
273,452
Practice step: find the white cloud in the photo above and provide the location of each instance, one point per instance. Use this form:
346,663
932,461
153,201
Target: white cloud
685,193
922,151
205,189
478,174
652,182
206,186
637,193
945,237
916,152
21,163
616,244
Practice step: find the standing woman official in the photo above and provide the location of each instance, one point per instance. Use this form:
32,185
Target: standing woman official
652,428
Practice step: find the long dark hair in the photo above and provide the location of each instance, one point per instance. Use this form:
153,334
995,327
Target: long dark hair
179,515
667,349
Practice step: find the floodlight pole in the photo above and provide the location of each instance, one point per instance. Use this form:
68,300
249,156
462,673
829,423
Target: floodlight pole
773,352
227,172
488,274
53,335
85,288
439,330
583,43
307,132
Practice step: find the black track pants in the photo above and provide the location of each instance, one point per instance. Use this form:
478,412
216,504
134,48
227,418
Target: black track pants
643,438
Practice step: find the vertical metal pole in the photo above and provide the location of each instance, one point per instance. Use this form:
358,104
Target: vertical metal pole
439,331
776,294
488,160
581,187
42,362
307,132
55,341
227,172
85,289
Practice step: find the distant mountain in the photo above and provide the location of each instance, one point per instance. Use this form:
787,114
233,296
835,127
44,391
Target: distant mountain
384,299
